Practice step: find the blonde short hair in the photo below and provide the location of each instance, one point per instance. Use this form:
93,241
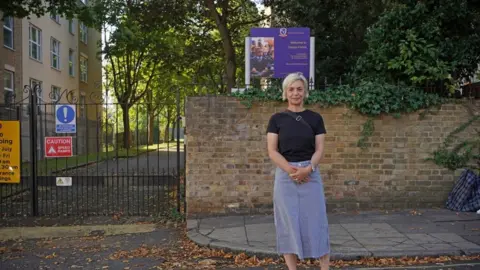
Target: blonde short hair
291,78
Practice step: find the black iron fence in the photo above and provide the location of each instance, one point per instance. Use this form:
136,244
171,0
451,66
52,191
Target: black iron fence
83,155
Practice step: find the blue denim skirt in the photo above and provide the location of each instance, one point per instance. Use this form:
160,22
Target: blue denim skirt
300,215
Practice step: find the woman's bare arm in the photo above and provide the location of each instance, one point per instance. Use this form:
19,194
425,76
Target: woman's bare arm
275,156
319,149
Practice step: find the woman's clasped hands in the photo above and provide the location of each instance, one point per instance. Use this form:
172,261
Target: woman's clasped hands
300,174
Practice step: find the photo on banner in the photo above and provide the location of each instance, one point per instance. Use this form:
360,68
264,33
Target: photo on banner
262,58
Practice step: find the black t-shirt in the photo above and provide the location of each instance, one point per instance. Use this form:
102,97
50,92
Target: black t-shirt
296,142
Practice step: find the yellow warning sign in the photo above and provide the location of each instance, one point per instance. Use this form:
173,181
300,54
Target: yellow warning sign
10,152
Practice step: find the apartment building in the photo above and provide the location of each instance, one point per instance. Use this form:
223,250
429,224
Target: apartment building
58,56
10,64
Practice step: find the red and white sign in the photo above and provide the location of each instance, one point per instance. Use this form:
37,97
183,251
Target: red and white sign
58,147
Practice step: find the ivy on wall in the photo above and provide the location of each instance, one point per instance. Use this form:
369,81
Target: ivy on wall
457,153
369,98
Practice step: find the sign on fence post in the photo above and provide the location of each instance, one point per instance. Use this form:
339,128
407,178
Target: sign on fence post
56,147
10,152
65,119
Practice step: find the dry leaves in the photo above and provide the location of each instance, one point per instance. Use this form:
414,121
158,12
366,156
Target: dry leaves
415,213
141,252
191,256
51,256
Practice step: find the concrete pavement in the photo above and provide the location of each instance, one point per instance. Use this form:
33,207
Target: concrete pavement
429,232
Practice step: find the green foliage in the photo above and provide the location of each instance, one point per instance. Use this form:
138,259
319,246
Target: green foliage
367,131
339,27
423,42
456,153
25,8
368,98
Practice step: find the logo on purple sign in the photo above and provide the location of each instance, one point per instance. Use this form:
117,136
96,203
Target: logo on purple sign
276,52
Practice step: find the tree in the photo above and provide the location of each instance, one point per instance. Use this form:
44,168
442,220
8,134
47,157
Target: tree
67,8
229,16
24,8
424,42
143,40
339,27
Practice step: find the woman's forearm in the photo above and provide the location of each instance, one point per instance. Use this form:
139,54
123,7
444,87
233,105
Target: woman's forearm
316,158
280,161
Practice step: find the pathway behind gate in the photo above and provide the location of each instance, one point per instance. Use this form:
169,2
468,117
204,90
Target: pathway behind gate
379,234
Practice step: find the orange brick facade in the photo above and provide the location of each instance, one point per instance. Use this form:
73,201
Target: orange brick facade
228,169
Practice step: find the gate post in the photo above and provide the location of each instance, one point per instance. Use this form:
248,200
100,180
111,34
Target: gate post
33,148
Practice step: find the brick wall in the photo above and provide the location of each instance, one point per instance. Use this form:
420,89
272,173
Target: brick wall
228,169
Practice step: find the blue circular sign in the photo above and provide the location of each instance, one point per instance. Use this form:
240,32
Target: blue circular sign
65,114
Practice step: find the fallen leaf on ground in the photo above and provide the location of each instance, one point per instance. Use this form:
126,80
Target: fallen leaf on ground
51,256
207,262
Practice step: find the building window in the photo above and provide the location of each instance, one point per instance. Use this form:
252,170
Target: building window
71,26
37,86
35,37
83,68
56,92
8,32
55,53
55,17
8,86
83,33
71,62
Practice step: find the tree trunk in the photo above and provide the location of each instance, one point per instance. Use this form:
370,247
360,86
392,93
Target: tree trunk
174,130
167,132
229,50
126,126
151,126
230,62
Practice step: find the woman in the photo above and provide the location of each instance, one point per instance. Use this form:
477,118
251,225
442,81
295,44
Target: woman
295,140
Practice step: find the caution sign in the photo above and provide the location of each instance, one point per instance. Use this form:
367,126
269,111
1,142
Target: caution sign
10,152
56,147
64,181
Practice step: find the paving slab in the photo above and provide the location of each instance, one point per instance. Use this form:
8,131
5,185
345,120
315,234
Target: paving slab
448,237
260,232
474,239
384,241
342,239
337,229
222,222
422,238
235,235
259,219
427,232
420,227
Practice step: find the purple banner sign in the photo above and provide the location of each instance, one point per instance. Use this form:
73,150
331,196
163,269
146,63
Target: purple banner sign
276,52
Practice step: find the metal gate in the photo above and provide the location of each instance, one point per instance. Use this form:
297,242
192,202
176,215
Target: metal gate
77,159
